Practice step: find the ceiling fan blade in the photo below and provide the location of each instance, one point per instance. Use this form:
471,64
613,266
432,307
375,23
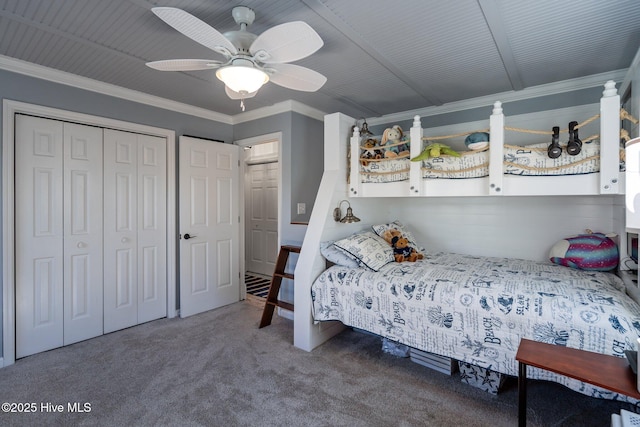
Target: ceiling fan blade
296,77
196,29
184,64
235,95
286,43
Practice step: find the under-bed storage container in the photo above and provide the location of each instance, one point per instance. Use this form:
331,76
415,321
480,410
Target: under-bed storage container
443,364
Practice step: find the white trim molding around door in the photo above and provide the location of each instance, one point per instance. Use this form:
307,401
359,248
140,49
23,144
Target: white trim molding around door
246,143
10,109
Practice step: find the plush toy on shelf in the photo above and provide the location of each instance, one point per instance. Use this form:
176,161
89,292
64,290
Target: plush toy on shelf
393,142
435,149
477,141
370,150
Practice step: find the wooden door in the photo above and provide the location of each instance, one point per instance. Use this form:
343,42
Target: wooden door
209,225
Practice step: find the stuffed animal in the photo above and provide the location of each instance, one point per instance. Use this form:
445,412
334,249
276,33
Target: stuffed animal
391,140
369,151
477,141
389,234
402,251
435,149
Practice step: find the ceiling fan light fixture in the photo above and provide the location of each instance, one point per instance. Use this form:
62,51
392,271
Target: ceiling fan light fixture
242,79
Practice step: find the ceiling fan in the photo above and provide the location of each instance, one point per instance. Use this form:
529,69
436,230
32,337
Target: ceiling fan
250,60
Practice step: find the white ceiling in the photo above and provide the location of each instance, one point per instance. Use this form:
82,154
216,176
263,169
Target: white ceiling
379,56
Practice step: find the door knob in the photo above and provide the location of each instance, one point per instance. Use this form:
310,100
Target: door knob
188,236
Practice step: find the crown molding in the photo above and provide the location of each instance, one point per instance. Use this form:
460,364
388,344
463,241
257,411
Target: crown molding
555,88
280,107
69,79
62,77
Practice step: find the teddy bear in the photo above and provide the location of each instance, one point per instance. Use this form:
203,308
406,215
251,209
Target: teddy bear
392,139
369,151
400,244
402,251
389,234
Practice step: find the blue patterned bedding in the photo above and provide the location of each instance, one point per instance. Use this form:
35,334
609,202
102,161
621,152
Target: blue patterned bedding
476,309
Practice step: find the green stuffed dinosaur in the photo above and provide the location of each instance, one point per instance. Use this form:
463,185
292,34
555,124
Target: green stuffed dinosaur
435,150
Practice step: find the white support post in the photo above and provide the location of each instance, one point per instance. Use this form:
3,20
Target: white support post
632,180
609,139
416,182
496,150
354,173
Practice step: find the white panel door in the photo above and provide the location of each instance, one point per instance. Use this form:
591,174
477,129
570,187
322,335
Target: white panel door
152,228
82,232
39,235
209,225
261,208
120,230
135,224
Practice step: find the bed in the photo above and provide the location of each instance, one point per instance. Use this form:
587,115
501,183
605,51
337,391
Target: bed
422,304
476,309
510,165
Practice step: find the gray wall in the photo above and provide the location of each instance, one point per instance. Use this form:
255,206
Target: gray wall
22,88
549,102
302,165
307,148
302,153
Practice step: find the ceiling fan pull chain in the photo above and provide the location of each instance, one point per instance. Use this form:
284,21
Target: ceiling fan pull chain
242,104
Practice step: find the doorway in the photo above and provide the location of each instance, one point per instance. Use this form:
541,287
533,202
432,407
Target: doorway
262,195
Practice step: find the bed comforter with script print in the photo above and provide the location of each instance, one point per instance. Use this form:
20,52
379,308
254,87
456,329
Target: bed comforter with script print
476,309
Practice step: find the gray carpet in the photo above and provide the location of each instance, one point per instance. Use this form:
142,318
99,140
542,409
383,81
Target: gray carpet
219,369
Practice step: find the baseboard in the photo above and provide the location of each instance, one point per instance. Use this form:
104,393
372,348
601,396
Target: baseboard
285,313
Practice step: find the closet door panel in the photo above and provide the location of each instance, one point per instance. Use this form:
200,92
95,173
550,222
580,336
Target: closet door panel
152,228
120,230
83,243
38,235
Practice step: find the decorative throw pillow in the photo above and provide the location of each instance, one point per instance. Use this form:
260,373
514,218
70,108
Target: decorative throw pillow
594,251
370,249
401,240
338,256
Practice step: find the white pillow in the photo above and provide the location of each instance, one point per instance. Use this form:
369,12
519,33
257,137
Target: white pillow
369,248
338,256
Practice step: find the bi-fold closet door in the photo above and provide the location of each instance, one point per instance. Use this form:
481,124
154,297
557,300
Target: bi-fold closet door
135,258
58,178
90,231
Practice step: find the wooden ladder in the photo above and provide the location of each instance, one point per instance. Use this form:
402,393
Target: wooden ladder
274,287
